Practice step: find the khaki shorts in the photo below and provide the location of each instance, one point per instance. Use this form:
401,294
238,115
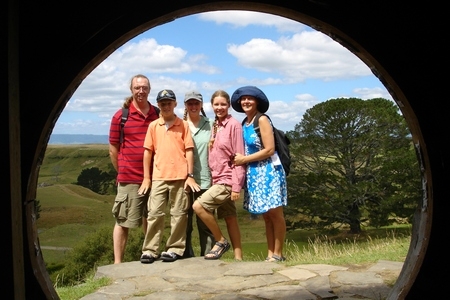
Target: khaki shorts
129,207
218,197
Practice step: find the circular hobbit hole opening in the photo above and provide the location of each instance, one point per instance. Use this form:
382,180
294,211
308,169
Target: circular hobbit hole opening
283,111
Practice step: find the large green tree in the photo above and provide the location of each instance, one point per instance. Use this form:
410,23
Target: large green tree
96,180
354,163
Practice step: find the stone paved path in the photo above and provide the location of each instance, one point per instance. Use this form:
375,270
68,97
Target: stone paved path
197,278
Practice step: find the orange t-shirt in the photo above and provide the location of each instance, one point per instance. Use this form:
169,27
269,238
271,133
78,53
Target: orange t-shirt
169,147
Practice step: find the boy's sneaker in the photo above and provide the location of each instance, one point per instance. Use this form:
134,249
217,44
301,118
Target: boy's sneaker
169,256
147,259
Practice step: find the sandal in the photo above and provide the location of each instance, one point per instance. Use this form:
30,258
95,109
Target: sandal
216,254
276,258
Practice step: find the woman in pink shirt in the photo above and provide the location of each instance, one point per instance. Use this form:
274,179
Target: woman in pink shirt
227,179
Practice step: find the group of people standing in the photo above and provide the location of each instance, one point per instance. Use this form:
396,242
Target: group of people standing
195,165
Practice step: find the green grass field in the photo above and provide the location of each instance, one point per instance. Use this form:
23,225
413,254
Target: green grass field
69,213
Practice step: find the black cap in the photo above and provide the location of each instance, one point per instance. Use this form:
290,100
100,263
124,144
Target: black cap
166,94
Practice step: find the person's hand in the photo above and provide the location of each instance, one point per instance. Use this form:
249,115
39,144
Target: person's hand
235,196
190,182
145,187
239,159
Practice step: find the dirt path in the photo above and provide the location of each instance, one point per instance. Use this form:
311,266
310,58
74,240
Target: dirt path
56,248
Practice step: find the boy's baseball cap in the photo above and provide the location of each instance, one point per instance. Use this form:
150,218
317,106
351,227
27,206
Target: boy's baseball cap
193,95
166,94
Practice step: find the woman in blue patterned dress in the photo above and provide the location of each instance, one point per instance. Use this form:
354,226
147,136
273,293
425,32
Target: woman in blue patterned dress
265,191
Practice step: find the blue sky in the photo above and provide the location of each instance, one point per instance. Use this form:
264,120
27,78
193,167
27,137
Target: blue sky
296,66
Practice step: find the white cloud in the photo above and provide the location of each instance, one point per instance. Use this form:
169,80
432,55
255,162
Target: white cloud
307,55
285,114
276,54
370,93
108,84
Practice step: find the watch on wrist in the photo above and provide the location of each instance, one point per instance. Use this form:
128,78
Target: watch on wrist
190,175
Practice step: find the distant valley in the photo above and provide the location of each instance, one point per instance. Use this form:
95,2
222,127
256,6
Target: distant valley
77,139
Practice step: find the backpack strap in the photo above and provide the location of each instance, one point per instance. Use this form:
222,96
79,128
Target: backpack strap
123,119
256,125
156,109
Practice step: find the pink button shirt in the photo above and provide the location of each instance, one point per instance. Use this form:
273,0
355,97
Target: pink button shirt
229,140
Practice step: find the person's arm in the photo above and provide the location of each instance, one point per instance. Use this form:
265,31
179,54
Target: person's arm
238,172
113,155
146,182
114,141
190,181
267,140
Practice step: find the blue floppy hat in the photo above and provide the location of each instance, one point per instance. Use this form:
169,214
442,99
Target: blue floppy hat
263,102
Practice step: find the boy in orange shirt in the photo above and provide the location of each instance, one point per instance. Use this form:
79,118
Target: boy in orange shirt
169,144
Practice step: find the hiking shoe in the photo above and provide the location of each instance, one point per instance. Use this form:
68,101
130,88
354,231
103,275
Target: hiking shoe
276,258
169,256
147,259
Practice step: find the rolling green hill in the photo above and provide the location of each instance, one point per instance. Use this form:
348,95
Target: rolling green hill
70,212
63,163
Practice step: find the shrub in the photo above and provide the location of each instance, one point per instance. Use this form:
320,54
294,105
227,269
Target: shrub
94,251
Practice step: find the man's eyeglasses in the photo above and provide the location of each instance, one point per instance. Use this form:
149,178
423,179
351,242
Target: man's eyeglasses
144,88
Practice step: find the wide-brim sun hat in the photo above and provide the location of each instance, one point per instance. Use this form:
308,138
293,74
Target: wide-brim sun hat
263,101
